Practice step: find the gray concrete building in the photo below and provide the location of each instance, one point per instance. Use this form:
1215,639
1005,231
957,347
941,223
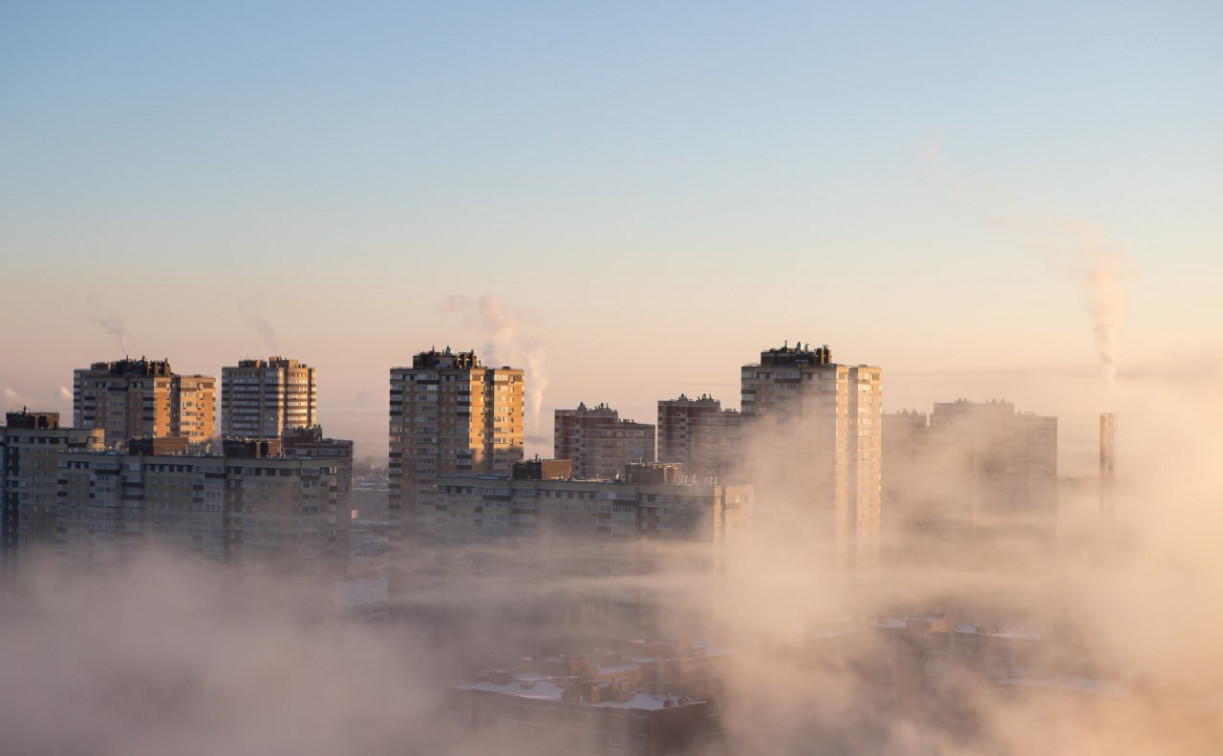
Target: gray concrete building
31,444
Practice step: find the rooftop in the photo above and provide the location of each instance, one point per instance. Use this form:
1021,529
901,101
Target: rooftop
538,688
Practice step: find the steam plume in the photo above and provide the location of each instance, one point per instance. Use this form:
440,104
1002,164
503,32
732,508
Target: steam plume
1099,268
109,322
260,325
502,345
1106,301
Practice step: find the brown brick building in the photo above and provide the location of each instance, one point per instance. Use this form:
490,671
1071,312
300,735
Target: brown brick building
700,435
598,442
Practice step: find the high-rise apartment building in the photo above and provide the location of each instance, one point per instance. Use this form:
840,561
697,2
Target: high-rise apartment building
812,433
450,415
700,435
598,442
193,407
971,483
30,446
264,398
143,399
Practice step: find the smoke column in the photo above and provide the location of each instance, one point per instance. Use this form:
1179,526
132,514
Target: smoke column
503,346
536,387
260,325
499,328
8,399
1106,301
111,323
1100,269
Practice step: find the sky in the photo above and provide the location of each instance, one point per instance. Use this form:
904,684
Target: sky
644,196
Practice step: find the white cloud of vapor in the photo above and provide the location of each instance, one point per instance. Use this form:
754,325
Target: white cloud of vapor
110,322
252,316
499,328
1079,248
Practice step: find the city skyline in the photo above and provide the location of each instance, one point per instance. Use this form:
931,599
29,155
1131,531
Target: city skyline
932,192
922,298
366,424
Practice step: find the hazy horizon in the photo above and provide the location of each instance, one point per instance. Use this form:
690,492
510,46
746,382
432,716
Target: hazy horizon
653,194
629,201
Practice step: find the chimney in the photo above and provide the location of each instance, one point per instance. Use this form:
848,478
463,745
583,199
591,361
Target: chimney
1108,458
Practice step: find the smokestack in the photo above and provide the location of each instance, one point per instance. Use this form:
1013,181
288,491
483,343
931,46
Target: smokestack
1108,458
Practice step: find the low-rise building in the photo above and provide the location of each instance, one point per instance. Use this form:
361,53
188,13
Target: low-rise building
598,704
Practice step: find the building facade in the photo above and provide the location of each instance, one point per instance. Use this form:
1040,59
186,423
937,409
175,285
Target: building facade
193,407
265,398
813,437
450,415
967,482
143,398
309,443
700,435
598,442
30,446
647,503
240,508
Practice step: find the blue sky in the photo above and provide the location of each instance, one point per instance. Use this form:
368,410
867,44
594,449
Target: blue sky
684,182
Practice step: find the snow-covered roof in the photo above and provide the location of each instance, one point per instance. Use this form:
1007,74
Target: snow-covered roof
1093,686
538,688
